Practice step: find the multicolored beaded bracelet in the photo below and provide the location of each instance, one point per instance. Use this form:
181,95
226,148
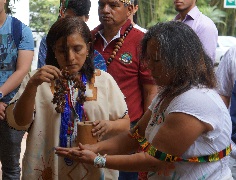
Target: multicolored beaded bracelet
152,151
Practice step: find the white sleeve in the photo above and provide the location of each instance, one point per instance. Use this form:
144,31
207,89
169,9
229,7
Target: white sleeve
226,73
203,104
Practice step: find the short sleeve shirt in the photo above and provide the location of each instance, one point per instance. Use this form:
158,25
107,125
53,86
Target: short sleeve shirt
226,73
207,106
9,52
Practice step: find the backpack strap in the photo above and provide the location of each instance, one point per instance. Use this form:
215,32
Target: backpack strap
16,29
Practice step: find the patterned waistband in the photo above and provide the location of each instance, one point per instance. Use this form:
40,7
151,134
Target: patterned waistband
151,150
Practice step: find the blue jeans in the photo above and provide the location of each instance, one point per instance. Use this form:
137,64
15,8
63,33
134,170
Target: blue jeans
129,175
10,148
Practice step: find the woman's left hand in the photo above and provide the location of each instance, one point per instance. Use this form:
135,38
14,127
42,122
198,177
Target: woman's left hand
101,128
77,154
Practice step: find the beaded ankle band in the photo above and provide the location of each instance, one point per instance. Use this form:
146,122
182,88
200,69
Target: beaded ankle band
152,151
100,161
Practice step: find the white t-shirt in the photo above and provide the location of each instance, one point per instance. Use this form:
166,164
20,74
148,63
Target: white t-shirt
207,106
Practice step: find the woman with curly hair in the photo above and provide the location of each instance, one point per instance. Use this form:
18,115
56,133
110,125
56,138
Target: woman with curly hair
185,133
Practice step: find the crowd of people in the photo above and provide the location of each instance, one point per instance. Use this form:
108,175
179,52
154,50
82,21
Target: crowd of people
157,107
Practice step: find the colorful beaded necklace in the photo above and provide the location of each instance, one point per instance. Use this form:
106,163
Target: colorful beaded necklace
69,97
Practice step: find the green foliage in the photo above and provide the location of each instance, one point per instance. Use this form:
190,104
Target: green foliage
229,21
214,13
43,13
153,11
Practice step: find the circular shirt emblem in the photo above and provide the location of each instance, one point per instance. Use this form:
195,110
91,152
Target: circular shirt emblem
126,58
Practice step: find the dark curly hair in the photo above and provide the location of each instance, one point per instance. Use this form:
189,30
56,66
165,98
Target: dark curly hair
182,54
79,7
62,28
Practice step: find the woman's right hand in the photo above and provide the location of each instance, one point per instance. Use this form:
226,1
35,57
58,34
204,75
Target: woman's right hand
47,74
82,153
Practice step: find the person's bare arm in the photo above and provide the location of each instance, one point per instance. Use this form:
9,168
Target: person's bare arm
178,127
120,144
105,129
27,100
24,61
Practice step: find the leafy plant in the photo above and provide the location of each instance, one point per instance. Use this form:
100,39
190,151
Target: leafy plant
43,13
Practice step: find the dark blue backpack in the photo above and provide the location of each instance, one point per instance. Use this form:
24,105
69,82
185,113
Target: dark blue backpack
16,30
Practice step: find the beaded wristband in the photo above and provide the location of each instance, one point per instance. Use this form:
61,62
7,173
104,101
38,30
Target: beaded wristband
100,161
152,151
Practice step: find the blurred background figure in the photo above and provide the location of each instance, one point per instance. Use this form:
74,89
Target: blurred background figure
72,8
17,50
133,17
226,76
187,126
203,26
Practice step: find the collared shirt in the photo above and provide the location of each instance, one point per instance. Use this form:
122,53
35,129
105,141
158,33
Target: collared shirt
126,68
104,39
205,28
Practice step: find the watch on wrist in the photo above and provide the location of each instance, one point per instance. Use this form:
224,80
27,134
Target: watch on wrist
1,95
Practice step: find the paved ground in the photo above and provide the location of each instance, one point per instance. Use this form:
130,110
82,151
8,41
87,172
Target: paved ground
23,145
